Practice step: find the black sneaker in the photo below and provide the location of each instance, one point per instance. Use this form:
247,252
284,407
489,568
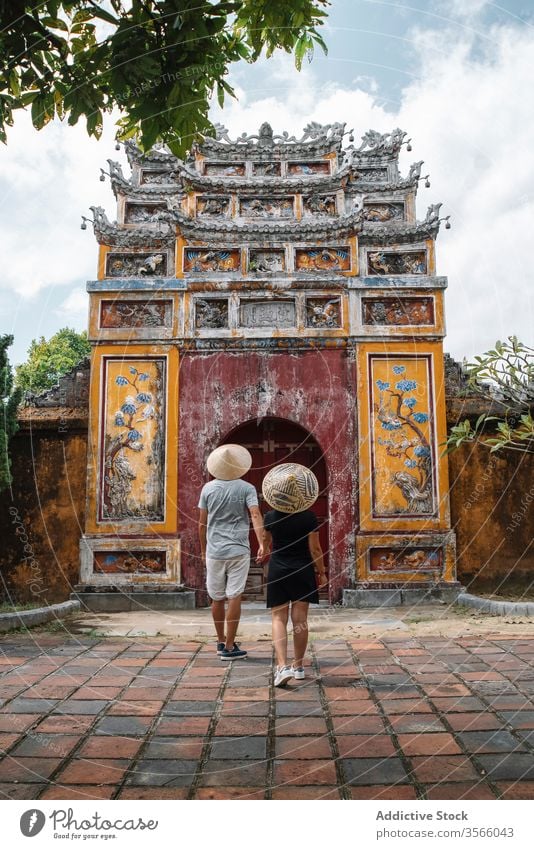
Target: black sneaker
220,648
234,654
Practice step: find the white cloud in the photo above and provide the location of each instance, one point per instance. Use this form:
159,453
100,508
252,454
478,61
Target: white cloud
48,180
466,114
75,306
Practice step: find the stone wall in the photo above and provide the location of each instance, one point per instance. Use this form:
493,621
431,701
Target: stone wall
42,517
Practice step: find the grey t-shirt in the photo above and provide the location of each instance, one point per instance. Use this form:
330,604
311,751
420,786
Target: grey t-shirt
227,503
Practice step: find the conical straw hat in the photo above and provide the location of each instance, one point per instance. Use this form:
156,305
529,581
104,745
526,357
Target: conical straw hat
229,462
290,488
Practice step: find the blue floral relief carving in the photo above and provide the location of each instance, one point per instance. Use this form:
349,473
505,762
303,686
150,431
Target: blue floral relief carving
395,412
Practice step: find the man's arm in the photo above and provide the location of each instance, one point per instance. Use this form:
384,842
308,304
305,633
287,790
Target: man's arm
257,523
203,530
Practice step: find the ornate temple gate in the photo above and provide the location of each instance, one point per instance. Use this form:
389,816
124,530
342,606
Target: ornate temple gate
282,291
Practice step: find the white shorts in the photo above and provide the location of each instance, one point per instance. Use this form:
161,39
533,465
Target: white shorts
226,578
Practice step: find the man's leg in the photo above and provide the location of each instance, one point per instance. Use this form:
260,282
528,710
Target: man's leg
279,616
233,615
215,583
218,613
236,579
299,618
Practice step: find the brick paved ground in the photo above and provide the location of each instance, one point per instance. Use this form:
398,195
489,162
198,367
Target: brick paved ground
396,718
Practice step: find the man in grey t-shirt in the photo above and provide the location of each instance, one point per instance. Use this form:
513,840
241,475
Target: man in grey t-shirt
224,525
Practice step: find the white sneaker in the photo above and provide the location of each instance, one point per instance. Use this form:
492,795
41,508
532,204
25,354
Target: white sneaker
298,673
282,675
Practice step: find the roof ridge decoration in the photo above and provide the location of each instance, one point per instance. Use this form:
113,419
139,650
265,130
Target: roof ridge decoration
313,133
160,234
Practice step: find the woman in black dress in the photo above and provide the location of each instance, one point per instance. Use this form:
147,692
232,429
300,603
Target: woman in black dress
296,567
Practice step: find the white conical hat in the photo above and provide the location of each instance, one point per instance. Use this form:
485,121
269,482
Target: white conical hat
290,488
229,462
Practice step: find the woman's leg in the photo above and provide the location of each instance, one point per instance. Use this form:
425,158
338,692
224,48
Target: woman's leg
280,615
299,618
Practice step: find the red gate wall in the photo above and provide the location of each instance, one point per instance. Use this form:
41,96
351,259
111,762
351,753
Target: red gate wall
314,388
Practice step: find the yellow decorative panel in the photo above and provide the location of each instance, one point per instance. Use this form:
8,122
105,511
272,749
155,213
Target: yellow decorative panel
132,481
403,478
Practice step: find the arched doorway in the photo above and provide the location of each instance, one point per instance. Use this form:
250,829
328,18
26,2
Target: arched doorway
272,441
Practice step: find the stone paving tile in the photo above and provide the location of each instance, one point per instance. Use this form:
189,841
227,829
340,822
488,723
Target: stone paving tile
375,771
473,721
237,726
486,742
129,726
21,791
93,771
228,773
154,793
378,792
37,745
430,770
462,790
302,748
241,793
516,789
242,748
508,767
27,769
428,744
109,747
87,791
62,724
305,772
365,746
155,773
519,718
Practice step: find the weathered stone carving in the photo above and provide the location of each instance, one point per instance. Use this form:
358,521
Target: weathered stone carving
266,169
382,143
371,175
136,213
152,177
129,562
135,314
398,311
401,262
323,312
213,207
383,212
211,312
322,259
266,207
308,168
136,265
268,260
225,169
204,259
320,205
406,559
268,314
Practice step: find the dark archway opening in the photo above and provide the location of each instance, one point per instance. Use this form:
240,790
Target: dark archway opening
272,441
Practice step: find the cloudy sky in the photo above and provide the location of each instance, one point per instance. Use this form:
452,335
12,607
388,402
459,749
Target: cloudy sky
457,75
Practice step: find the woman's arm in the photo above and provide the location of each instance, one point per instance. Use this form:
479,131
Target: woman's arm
266,545
317,556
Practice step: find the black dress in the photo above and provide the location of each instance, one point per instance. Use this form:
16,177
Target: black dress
291,573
